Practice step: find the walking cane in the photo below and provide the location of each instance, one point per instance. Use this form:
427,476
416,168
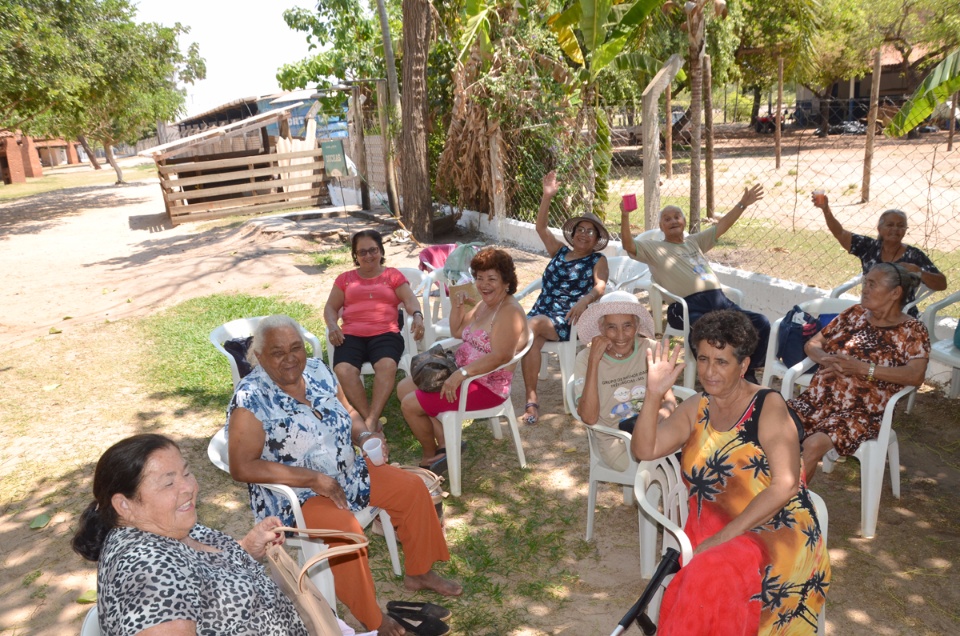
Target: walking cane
669,564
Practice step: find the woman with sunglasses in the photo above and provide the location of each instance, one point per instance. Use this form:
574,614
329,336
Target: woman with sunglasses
364,303
575,277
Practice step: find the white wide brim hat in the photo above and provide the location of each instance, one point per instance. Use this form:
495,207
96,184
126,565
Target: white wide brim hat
617,302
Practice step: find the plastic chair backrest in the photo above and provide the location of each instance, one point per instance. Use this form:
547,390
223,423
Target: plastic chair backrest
91,623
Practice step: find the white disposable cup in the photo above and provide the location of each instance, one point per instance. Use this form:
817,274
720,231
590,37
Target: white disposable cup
374,449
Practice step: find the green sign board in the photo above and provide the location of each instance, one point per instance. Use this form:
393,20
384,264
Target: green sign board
334,161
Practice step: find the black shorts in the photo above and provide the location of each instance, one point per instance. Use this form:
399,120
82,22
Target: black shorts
356,350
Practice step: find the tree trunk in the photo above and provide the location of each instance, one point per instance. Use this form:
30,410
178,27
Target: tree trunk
696,111
388,58
824,117
755,111
108,151
417,209
86,148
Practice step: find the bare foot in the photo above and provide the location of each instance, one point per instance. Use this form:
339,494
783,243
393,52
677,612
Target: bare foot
434,582
390,627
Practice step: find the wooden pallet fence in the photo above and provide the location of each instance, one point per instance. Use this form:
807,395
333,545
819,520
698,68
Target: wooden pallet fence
201,190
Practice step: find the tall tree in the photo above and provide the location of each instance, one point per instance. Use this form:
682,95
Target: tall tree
415,170
922,31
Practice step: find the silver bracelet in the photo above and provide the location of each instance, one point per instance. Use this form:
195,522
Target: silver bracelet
362,436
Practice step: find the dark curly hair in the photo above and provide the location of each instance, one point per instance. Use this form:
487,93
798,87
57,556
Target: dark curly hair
372,234
896,275
725,327
492,258
119,470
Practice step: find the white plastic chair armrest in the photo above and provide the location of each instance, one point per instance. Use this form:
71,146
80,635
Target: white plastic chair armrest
686,548
287,492
786,389
732,293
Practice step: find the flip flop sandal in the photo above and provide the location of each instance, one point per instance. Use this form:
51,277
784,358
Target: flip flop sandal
412,607
420,624
530,419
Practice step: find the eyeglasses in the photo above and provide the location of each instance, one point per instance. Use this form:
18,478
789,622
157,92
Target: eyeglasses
589,231
372,251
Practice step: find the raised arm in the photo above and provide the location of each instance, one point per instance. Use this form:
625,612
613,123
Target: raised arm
655,436
550,188
843,236
750,196
626,236
781,445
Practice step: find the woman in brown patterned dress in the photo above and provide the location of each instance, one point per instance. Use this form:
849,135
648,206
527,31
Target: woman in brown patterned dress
867,354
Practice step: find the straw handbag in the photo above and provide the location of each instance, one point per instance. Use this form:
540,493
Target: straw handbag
313,609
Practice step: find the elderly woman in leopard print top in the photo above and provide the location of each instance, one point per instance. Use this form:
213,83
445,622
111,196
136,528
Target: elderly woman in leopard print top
161,572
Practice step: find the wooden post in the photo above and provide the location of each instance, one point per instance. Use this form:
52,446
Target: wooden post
724,103
953,120
708,129
778,122
388,168
668,131
361,147
871,127
736,100
651,139
695,48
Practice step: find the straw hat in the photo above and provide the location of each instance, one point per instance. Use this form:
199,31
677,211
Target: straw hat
617,302
602,235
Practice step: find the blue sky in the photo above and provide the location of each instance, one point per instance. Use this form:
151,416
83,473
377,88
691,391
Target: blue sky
243,43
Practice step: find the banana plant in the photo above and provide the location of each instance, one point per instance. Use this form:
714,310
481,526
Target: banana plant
604,27
942,82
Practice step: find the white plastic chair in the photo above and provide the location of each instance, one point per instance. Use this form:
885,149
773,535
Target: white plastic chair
91,623
627,274
773,367
658,296
436,309
566,352
414,276
873,455
662,495
243,328
321,576
944,351
922,292
600,470
452,421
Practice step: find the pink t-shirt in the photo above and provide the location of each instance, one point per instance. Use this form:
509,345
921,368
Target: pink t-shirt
370,304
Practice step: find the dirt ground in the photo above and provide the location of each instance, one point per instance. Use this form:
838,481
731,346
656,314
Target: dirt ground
82,265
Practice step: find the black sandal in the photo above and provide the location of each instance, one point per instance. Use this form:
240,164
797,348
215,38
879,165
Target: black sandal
412,607
530,419
420,624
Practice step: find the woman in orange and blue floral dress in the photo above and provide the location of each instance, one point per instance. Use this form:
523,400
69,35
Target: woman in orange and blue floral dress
760,564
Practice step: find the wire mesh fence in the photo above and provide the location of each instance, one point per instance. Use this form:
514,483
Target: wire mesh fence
783,235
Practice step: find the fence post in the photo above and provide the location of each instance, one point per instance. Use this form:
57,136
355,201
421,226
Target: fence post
778,121
871,127
668,131
708,128
953,120
390,175
651,139
360,147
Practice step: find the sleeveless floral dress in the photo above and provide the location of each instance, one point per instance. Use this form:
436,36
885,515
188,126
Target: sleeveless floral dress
564,283
771,580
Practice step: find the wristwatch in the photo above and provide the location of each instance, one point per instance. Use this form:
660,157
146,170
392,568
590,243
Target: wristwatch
463,371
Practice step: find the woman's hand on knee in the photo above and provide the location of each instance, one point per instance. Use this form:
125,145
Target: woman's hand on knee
328,487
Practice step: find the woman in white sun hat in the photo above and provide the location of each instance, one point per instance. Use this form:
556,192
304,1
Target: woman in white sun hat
611,373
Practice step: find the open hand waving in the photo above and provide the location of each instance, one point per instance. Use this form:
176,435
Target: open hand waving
663,368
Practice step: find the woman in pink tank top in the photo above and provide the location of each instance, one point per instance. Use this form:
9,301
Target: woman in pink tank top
362,324
492,332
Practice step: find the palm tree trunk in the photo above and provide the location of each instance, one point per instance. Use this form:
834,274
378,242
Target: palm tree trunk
417,210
